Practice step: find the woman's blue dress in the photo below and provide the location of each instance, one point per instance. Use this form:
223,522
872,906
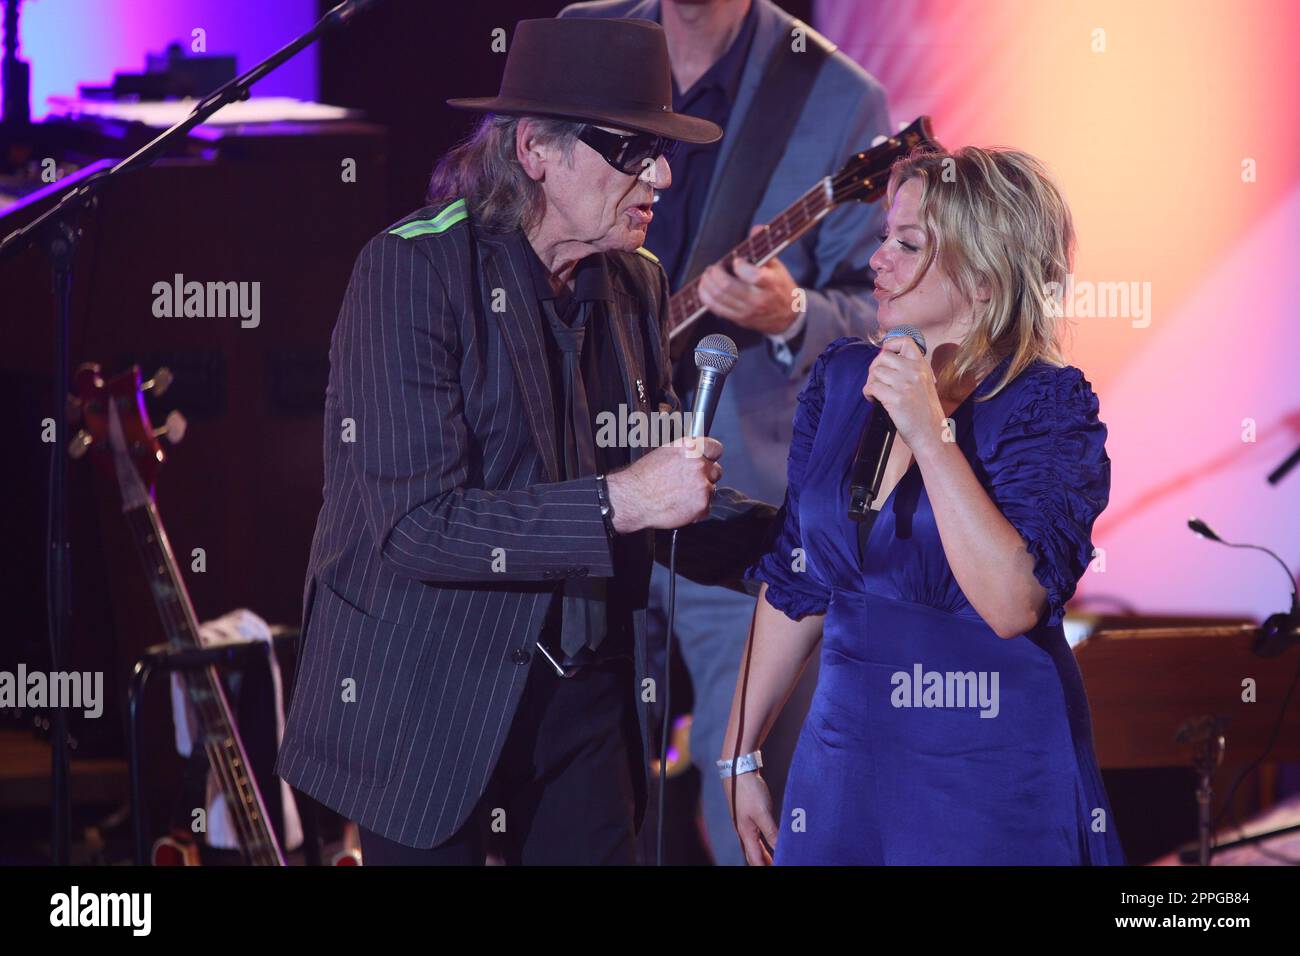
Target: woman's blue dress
930,739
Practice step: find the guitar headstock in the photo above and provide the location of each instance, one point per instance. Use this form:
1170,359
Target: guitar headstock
116,426
865,176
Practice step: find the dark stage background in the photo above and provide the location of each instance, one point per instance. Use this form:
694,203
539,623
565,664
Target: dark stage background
402,61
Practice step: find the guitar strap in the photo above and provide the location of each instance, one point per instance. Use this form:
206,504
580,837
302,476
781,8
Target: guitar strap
787,80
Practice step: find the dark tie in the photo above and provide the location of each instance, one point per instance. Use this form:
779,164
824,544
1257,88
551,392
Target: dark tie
583,609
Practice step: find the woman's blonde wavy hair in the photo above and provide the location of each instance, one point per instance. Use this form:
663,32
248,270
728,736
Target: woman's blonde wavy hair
994,215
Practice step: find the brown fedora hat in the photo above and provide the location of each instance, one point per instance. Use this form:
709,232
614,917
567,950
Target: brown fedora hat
608,72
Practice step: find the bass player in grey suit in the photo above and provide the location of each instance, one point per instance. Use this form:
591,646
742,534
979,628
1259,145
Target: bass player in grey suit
473,665
782,315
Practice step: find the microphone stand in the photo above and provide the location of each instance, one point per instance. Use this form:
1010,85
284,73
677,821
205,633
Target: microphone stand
1277,633
55,229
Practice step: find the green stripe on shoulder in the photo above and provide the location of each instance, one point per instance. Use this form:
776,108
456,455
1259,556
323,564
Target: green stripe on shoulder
643,251
454,213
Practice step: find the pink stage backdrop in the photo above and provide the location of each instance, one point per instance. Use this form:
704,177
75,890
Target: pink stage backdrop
1174,129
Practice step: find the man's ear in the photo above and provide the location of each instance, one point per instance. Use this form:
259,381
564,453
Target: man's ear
529,151
982,290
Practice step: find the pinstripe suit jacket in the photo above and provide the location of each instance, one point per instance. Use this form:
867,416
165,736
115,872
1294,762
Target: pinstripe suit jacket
446,528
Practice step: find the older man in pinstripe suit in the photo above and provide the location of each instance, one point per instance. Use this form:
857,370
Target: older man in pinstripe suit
473,664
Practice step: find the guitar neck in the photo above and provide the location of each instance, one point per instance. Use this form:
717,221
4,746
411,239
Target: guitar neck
685,307
220,738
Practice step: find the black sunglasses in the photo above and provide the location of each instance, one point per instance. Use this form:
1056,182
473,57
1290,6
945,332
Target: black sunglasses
627,153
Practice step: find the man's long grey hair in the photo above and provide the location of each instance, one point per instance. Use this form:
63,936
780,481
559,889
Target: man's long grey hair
484,170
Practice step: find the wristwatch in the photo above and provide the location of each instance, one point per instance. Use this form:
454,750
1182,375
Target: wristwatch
606,507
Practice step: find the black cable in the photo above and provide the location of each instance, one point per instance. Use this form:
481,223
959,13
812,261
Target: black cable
56,597
1259,847
740,724
668,679
1295,600
1241,775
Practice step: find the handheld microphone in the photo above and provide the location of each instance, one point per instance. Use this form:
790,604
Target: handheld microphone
1281,630
715,357
874,445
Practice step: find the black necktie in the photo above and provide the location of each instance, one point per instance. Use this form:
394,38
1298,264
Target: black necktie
584,620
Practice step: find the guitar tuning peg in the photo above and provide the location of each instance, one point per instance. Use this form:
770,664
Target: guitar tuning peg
80,443
173,429
161,381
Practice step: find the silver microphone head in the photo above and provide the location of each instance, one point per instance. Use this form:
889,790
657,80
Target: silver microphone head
911,331
717,353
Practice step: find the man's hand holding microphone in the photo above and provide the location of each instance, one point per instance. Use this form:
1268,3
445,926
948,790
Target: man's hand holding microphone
673,485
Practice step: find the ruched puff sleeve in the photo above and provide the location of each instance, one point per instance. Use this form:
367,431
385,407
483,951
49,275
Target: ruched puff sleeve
796,593
1050,476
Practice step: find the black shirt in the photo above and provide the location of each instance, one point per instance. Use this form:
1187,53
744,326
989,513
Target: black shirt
678,208
602,379
601,373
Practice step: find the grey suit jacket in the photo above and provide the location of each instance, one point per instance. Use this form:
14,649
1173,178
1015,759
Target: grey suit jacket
845,111
445,527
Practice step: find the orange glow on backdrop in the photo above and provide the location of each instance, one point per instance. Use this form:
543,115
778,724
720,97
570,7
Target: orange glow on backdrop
1174,128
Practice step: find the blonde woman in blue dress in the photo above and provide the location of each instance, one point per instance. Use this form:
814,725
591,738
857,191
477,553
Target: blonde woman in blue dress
949,725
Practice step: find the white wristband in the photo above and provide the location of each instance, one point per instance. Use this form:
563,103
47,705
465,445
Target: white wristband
745,764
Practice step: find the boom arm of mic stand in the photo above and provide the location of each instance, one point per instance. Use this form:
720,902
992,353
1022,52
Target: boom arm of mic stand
1282,470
